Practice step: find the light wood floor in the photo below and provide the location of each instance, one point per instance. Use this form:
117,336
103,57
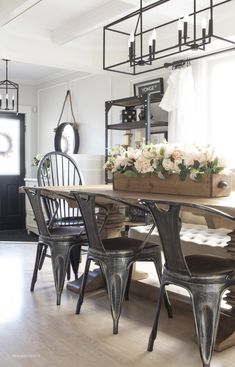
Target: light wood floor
34,332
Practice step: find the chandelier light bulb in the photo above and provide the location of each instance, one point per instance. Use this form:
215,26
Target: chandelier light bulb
154,35
180,25
132,37
186,18
204,23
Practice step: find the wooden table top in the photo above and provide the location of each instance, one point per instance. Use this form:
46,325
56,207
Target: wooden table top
226,204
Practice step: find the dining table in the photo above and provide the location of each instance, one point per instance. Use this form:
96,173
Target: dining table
226,329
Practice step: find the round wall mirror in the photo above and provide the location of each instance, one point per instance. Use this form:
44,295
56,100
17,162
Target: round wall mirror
67,138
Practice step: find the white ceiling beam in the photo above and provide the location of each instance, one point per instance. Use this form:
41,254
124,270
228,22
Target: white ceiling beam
45,53
90,21
9,10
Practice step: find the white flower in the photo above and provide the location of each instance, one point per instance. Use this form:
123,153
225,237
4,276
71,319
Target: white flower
168,150
188,157
149,151
121,162
168,164
143,165
133,154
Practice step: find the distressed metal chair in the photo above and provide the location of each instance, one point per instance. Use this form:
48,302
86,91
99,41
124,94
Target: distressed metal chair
205,277
114,255
59,169
61,240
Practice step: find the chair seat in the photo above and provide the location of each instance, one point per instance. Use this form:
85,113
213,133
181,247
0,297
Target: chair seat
200,265
125,244
67,221
64,233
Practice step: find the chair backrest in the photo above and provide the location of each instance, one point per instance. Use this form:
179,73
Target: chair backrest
87,205
166,215
95,209
37,204
59,169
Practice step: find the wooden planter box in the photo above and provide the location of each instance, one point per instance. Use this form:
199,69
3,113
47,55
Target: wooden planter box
210,186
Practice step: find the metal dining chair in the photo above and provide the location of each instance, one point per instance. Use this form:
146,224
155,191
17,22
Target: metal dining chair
61,240
205,277
114,255
59,169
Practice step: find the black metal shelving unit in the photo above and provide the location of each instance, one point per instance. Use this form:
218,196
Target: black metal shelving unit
144,101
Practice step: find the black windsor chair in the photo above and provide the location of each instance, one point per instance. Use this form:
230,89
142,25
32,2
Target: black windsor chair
59,169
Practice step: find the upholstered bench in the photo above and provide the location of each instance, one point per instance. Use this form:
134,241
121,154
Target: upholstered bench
196,238
192,235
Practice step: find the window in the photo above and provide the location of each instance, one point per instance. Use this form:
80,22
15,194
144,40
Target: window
221,106
9,146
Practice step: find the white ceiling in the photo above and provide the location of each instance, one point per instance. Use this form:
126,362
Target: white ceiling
48,38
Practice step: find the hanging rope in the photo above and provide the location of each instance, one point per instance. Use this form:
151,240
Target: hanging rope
69,98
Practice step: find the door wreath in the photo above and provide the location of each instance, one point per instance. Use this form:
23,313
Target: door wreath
7,142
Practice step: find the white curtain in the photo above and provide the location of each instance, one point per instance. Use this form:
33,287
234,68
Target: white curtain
179,101
201,104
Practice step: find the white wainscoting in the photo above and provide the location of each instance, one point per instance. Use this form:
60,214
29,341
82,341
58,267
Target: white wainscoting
91,168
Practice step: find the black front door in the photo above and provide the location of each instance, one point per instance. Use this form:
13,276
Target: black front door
12,170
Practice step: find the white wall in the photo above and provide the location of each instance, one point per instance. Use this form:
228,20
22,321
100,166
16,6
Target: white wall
28,106
89,94
50,101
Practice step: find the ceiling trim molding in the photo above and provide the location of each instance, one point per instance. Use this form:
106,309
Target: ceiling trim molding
90,21
14,9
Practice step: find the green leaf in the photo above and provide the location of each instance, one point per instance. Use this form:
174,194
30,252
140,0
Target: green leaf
130,173
196,164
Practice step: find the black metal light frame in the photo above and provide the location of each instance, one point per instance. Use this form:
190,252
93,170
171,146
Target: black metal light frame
185,43
6,86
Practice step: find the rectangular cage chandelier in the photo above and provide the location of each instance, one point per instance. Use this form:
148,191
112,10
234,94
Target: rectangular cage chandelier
140,48
9,93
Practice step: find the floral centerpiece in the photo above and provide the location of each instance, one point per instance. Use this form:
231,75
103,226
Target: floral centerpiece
162,161
165,160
